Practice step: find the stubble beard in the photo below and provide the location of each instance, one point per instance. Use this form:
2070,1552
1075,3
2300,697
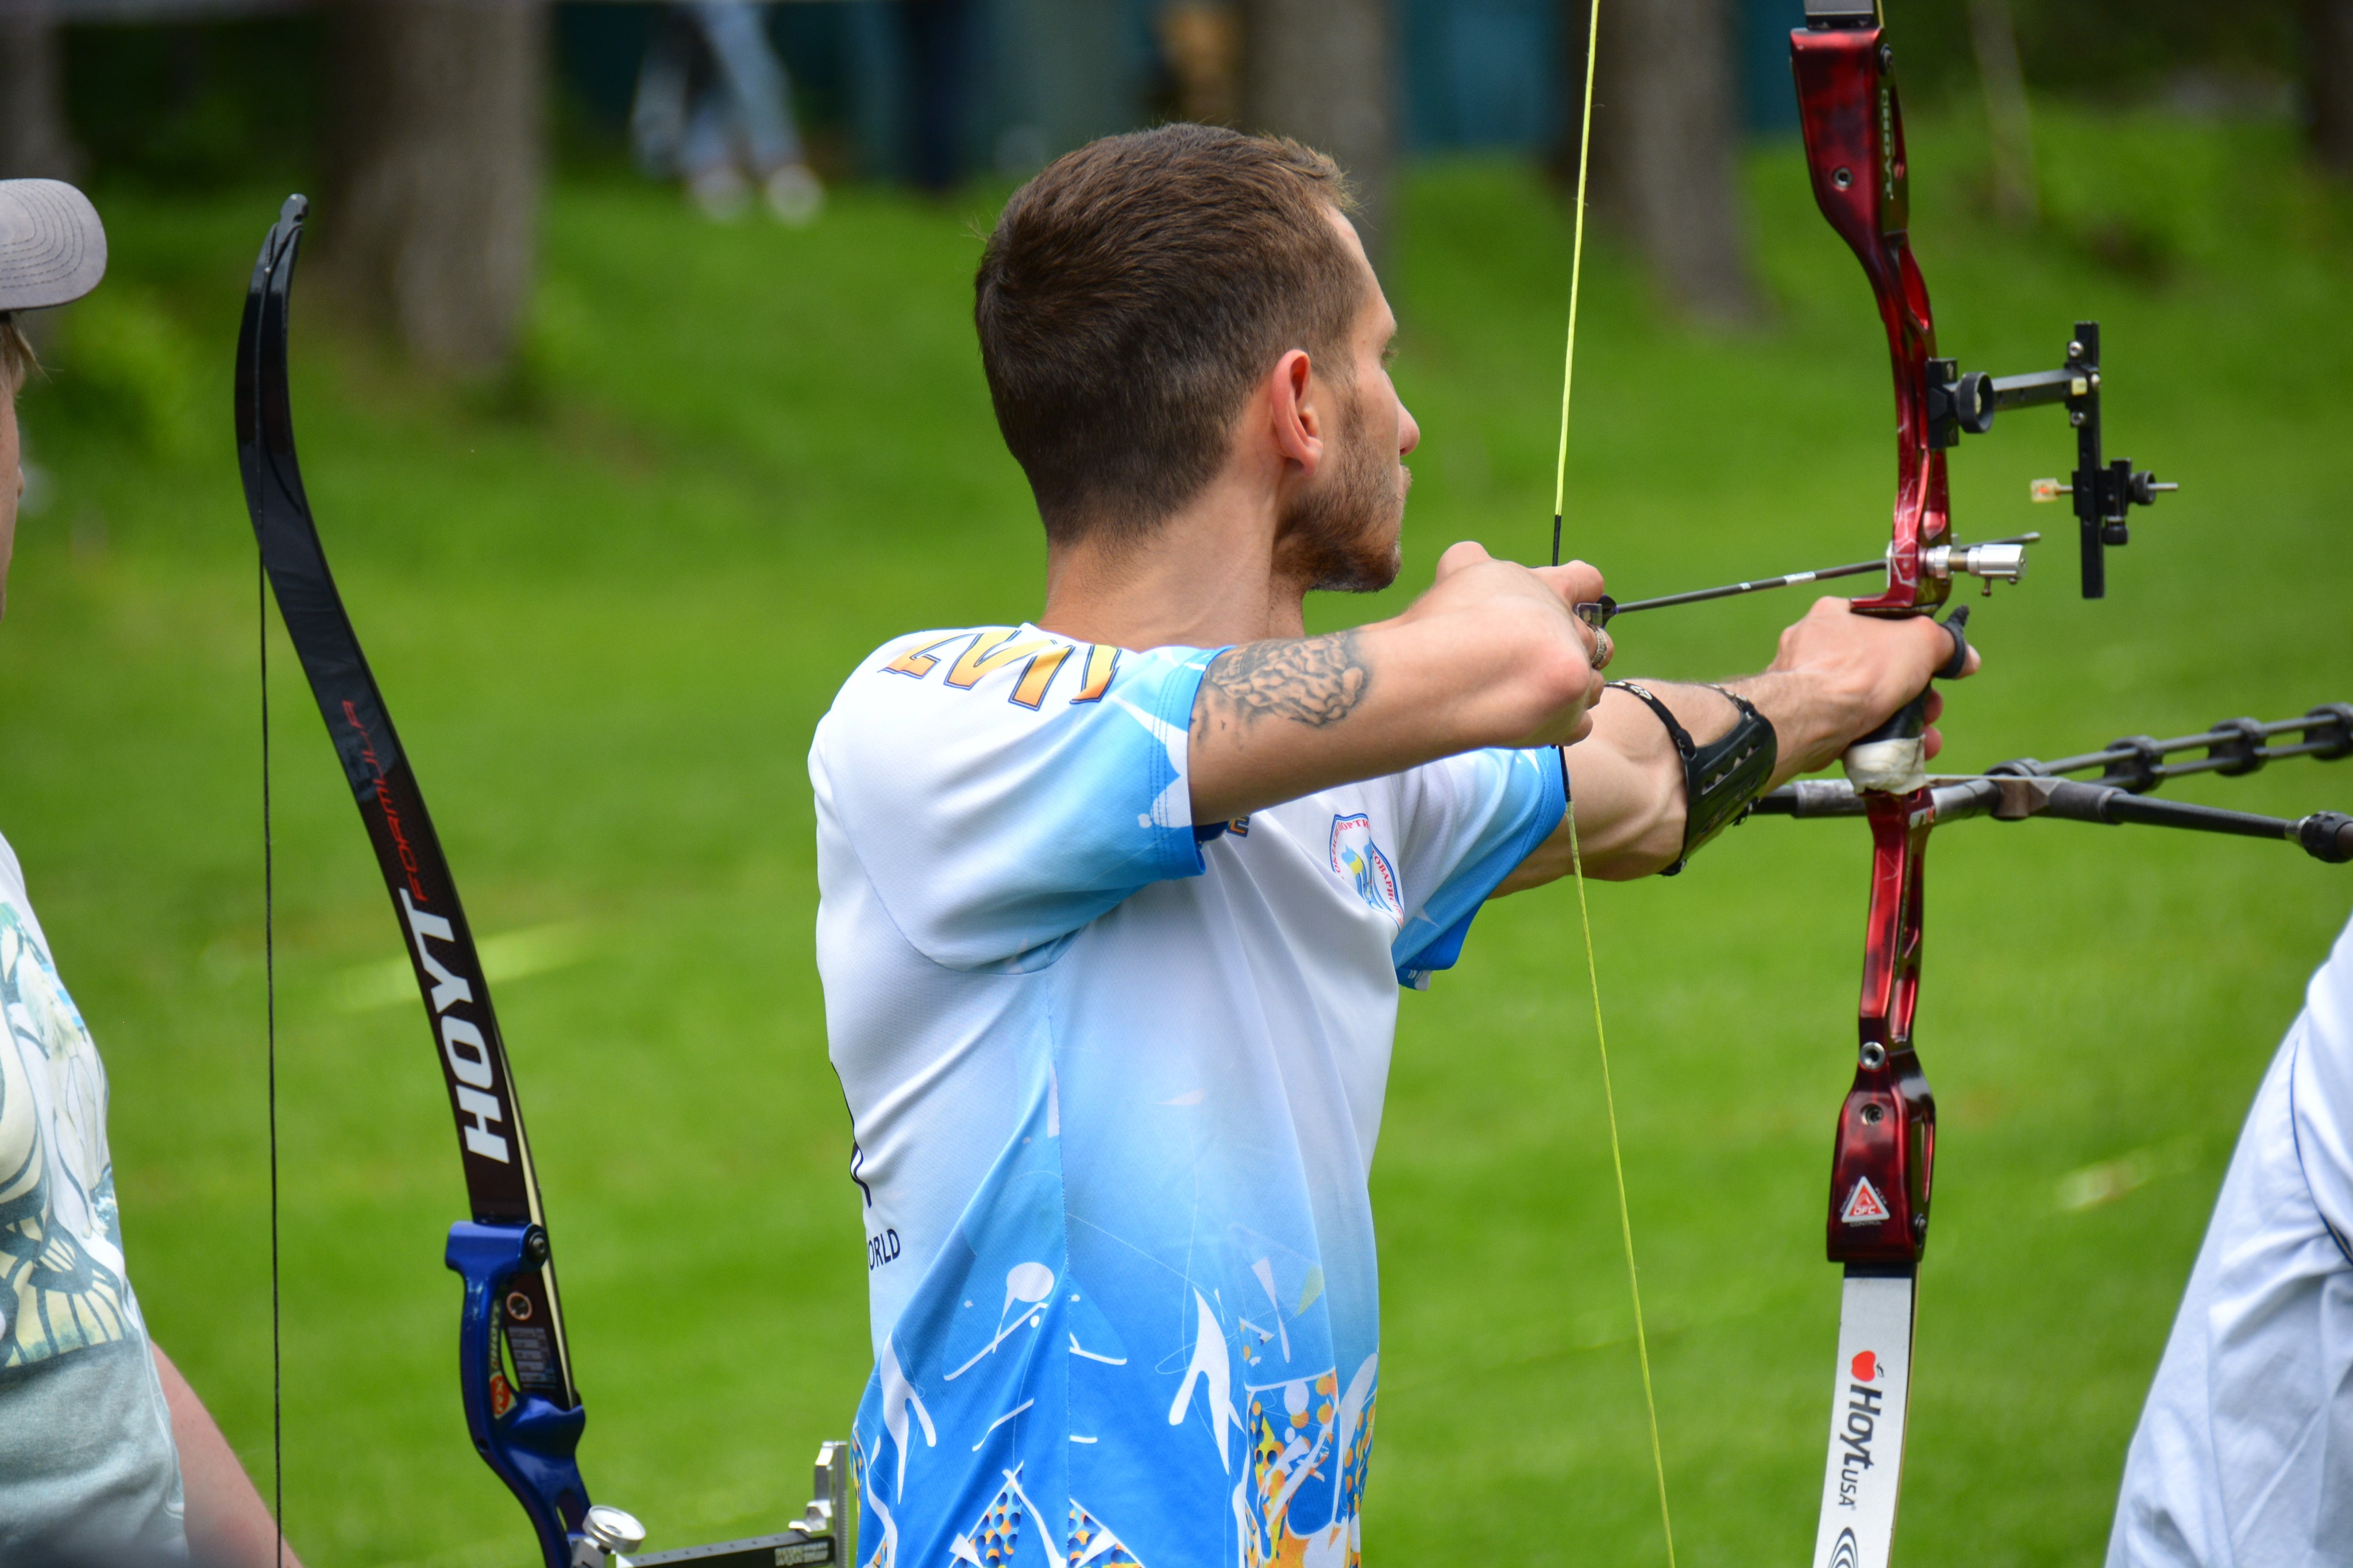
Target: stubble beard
1342,536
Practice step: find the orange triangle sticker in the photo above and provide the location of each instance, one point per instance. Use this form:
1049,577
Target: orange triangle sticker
1863,1206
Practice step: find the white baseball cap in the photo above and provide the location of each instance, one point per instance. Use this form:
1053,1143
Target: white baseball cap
52,247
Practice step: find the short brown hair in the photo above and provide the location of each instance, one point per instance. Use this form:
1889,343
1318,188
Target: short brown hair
1130,297
16,358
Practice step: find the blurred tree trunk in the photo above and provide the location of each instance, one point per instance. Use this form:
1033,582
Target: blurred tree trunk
1666,146
1993,38
33,141
2328,67
434,160
1324,72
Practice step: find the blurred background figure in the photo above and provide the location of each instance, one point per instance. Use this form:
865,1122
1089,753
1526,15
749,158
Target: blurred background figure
714,107
1201,45
939,40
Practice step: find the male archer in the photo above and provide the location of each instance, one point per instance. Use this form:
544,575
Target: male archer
1116,904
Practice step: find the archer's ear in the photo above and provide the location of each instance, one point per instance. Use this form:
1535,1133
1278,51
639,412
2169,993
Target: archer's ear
1297,421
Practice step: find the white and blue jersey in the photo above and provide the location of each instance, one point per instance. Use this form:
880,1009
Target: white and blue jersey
2243,1456
1115,1081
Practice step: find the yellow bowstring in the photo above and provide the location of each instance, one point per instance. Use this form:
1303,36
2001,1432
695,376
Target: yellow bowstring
1576,280
1618,1164
1576,855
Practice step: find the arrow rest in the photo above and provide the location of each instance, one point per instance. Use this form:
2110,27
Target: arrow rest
1993,559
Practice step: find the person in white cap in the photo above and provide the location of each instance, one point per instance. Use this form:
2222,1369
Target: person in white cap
2244,1453
106,1453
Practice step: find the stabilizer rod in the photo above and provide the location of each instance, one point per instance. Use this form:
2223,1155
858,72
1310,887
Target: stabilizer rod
2233,747
2326,836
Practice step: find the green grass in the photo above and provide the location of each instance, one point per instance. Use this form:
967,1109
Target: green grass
609,605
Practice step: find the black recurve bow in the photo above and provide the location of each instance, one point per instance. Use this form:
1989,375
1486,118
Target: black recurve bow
523,1409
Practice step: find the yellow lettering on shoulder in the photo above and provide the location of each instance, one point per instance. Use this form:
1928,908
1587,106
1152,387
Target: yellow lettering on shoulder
1101,662
1031,690
990,652
920,662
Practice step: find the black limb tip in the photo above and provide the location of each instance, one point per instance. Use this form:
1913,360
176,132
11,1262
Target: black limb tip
2327,836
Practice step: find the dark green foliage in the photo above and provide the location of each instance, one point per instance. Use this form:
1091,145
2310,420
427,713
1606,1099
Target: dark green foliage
2220,56
197,106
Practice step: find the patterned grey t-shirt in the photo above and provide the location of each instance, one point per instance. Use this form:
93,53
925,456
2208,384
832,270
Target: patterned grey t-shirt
86,1451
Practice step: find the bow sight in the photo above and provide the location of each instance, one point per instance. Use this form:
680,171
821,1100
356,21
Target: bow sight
1853,127
1964,403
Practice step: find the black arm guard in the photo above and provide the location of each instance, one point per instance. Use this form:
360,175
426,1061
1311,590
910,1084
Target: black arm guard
1722,779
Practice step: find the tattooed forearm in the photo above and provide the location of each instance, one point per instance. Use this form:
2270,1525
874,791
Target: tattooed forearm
1311,681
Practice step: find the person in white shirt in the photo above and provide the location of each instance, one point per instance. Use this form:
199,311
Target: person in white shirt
1116,904
107,1456
2244,1453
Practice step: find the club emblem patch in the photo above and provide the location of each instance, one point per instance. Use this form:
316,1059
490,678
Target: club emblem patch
1358,860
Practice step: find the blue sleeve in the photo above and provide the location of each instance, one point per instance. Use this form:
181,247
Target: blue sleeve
1471,820
1002,787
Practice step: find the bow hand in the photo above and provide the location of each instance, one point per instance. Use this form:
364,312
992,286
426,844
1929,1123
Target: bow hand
1840,677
